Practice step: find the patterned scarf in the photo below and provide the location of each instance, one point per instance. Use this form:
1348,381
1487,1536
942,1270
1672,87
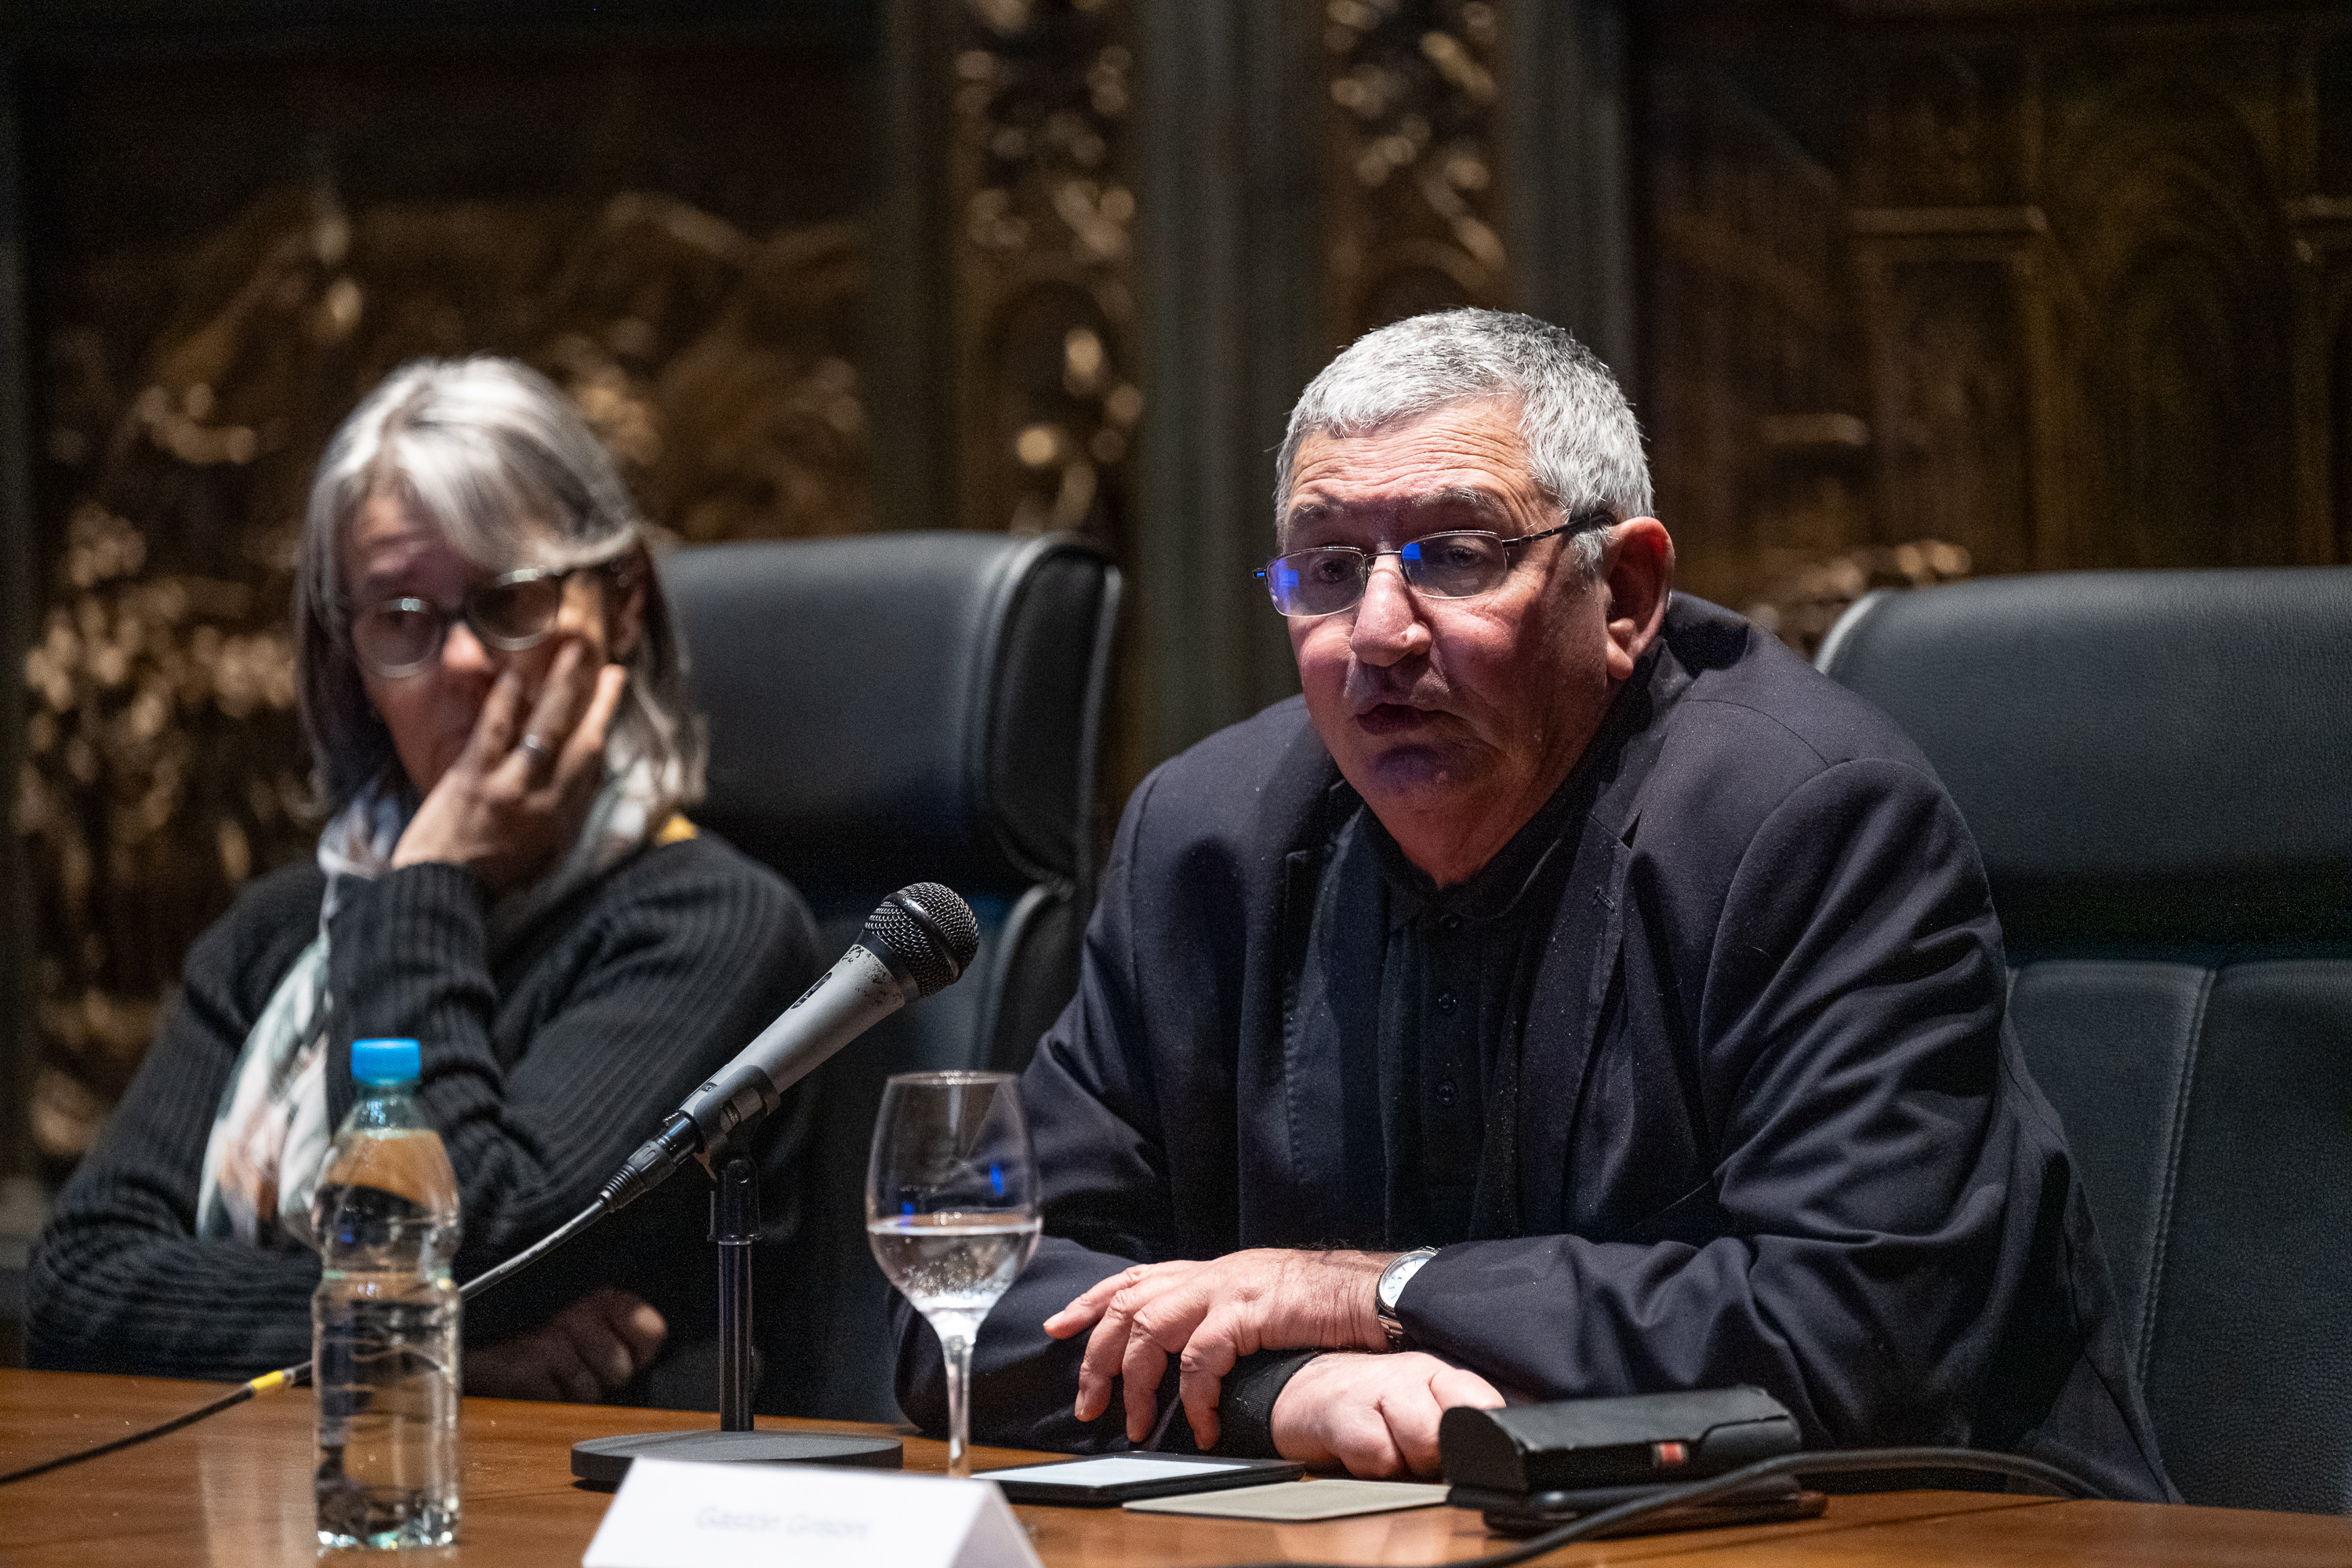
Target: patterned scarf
270,1136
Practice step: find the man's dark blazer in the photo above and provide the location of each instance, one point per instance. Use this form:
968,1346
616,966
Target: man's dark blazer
1771,1127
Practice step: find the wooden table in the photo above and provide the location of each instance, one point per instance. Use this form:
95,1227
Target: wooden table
235,1491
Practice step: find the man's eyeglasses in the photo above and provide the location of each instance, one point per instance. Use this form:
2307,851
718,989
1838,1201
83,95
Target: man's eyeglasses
1330,578
510,613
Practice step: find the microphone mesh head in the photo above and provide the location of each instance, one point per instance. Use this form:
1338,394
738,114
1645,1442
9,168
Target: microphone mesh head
932,932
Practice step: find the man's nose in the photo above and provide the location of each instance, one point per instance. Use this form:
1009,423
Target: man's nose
1389,625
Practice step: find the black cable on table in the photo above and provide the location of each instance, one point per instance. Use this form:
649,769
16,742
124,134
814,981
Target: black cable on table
294,1376
1612,1520
284,1377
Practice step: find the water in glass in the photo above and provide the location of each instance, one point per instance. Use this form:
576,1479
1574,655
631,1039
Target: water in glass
951,1211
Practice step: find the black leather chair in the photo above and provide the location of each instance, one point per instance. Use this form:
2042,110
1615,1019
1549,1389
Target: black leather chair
2158,768
884,709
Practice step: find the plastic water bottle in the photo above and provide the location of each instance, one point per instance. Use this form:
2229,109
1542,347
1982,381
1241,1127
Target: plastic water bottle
385,1319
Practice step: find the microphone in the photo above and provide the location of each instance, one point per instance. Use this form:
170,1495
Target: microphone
918,940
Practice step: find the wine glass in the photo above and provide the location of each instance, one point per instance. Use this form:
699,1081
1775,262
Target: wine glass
951,1211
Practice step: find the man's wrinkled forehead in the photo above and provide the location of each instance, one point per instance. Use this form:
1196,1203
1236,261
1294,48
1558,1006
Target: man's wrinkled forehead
1451,506
1454,466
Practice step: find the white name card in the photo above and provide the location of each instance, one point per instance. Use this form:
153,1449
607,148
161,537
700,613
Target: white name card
668,1514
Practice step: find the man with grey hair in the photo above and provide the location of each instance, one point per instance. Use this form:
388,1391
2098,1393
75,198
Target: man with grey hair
1571,994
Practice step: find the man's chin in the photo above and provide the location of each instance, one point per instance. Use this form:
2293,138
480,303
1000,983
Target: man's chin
1411,777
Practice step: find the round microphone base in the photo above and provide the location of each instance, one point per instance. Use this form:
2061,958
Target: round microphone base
601,1462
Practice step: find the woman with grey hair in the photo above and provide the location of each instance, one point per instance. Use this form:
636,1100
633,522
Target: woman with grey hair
494,702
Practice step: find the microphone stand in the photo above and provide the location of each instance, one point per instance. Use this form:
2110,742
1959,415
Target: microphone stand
601,1462
735,1226
921,938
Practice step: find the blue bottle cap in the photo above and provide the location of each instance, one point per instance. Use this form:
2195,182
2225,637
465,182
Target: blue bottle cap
384,1062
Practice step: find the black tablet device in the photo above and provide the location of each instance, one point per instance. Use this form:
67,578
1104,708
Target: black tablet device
1114,1479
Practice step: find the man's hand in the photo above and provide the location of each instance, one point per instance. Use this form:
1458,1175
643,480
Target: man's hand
1375,1415
1210,1315
580,1355
507,810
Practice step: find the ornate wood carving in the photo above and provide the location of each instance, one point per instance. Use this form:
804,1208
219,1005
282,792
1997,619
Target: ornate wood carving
1758,430
2089,278
1413,218
1950,396
2174,255
1042,214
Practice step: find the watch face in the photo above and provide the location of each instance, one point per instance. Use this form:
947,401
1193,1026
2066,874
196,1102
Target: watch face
1393,1277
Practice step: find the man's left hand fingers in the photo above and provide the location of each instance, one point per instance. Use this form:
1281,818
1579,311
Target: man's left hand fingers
1141,1367
1155,1290
1212,1313
1167,1324
1202,1369
1089,1304
1106,1349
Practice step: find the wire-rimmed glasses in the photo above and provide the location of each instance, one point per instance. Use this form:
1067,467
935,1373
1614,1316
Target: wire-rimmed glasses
1461,564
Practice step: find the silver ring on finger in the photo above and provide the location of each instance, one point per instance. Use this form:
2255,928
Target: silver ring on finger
535,746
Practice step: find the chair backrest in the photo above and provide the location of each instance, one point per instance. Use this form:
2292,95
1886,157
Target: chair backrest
884,709
2157,769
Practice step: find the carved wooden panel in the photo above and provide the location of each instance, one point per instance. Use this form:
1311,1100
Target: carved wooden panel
2087,269
2173,251
1950,397
1042,214
1752,404
1412,216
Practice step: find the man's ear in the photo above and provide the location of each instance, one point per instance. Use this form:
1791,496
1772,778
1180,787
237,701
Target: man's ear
625,615
1637,572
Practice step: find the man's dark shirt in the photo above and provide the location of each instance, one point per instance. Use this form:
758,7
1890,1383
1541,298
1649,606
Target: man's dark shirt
1455,965
1452,968
1750,1109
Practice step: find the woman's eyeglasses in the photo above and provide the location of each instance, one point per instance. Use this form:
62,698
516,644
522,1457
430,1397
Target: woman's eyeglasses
1330,578
508,613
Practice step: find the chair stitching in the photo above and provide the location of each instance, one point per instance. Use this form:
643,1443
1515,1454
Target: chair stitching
2160,1244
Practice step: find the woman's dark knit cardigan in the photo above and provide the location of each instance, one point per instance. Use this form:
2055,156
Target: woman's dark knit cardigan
541,1072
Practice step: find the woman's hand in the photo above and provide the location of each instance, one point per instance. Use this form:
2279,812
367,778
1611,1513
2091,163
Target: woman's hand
514,800
582,1353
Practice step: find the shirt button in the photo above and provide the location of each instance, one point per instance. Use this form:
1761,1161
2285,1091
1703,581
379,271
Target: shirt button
1449,922
1445,1091
1447,1003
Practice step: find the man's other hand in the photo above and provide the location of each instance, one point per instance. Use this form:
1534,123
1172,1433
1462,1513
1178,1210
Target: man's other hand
580,1355
1210,1315
1376,1416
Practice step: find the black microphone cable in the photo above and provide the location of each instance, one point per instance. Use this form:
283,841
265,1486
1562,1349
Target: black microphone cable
297,1375
268,1381
1618,1519
924,933
294,1376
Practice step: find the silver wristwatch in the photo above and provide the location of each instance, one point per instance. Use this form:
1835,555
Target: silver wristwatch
1390,1285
